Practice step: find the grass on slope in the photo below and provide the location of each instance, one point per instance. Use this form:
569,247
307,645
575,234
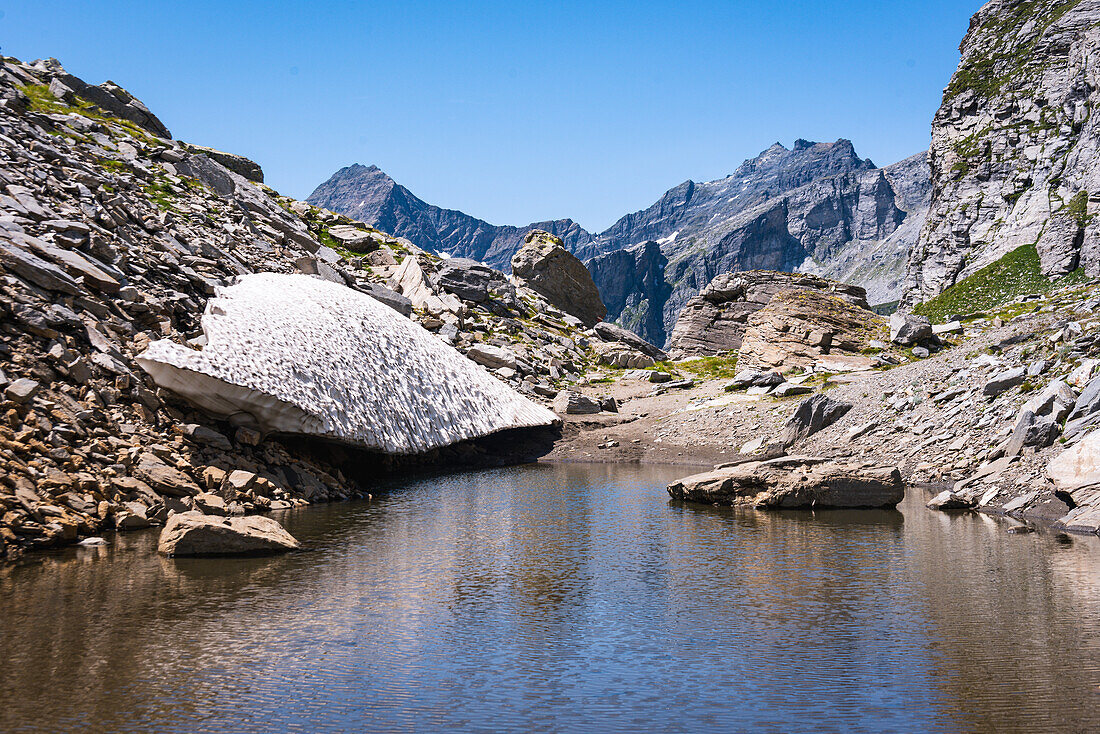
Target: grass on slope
711,368
1014,275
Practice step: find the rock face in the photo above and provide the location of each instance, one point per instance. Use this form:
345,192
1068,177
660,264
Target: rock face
715,321
546,267
815,413
794,482
1015,146
798,328
367,194
324,360
195,534
817,208
1076,476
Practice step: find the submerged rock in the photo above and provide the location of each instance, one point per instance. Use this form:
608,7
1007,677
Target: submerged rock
195,534
794,482
295,354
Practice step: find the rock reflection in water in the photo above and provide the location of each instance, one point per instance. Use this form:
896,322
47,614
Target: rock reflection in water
564,598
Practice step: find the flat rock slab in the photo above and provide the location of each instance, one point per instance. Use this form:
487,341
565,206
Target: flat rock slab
792,482
194,534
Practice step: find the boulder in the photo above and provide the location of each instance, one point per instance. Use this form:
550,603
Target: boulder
546,267
473,281
163,478
793,482
948,500
21,391
327,361
755,378
609,332
1004,381
194,534
570,402
238,164
799,327
812,414
715,321
908,329
492,357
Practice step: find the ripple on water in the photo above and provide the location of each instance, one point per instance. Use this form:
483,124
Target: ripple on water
564,598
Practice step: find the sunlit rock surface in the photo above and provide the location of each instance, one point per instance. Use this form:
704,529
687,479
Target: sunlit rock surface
296,354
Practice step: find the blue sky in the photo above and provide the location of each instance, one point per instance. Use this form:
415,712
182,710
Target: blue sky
511,111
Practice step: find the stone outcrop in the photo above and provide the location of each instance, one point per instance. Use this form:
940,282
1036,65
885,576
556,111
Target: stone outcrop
715,321
324,360
367,194
804,327
1076,476
1015,146
546,267
195,534
794,482
238,164
812,415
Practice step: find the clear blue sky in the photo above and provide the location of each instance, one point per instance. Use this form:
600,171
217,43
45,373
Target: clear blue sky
513,111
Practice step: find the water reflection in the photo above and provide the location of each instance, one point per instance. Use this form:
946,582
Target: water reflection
564,598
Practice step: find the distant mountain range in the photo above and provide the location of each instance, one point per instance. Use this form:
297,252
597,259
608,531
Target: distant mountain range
816,207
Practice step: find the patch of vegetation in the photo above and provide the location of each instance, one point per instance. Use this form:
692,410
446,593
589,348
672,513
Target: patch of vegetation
41,99
161,194
1078,208
1014,275
723,366
885,309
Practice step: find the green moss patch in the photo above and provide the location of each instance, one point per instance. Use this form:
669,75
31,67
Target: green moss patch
1014,275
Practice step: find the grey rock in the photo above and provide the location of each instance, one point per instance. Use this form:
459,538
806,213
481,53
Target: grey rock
614,333
546,267
21,391
948,500
391,298
238,164
492,357
908,329
571,402
1088,402
812,415
1004,381
163,478
755,378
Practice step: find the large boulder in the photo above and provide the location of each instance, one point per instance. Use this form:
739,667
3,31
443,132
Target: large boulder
472,281
715,320
813,414
327,361
546,267
238,164
907,329
195,534
794,482
800,326
609,332
1076,476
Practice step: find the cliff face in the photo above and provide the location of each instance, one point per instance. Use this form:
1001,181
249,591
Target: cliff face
367,194
1015,146
815,208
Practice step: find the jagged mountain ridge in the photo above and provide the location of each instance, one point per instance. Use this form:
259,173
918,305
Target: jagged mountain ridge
368,194
817,207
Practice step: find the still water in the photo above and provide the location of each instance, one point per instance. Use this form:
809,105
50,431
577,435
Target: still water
564,598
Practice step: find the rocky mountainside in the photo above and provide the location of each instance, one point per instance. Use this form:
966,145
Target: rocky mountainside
1015,146
367,194
815,208
126,254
